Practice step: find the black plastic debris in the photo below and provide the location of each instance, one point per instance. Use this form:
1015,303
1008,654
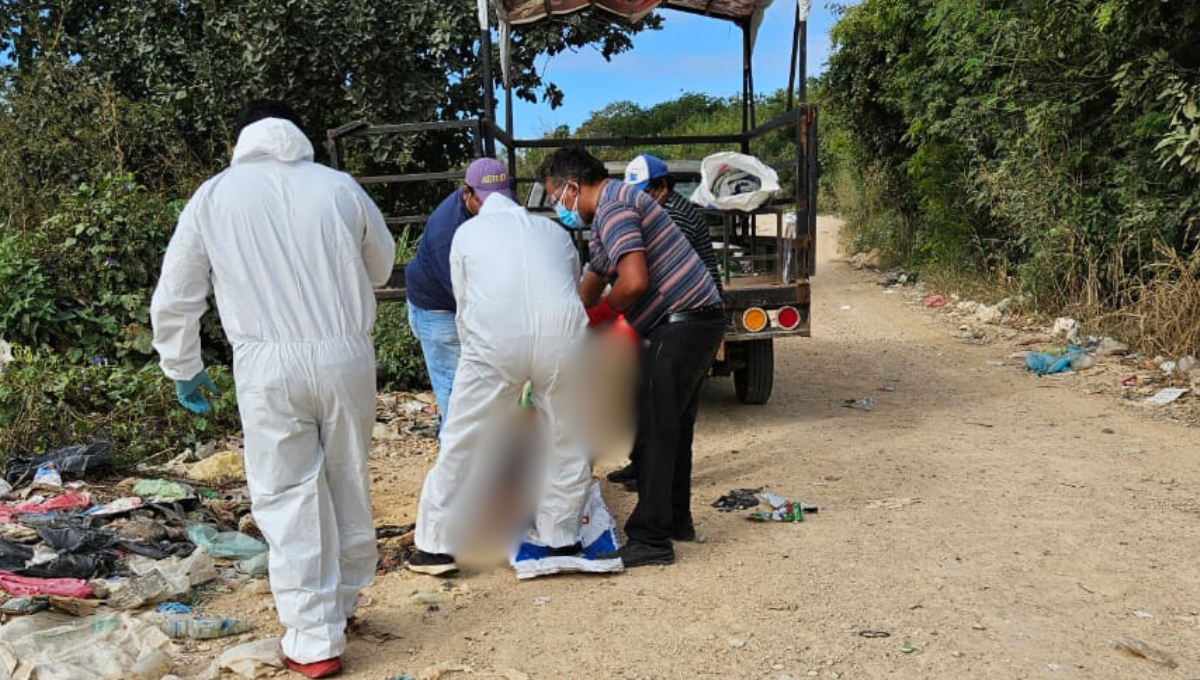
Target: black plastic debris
47,563
393,530
737,499
72,462
72,535
157,551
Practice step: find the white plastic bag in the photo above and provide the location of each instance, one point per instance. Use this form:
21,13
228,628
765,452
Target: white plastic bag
597,533
257,659
100,647
710,195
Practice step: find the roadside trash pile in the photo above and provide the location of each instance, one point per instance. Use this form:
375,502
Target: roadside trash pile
1109,364
1156,381
777,508
106,567
900,277
404,413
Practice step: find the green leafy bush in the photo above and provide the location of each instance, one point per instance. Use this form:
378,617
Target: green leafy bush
81,282
47,401
1052,145
398,360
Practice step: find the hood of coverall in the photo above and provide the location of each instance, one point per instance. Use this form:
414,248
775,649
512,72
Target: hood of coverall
272,138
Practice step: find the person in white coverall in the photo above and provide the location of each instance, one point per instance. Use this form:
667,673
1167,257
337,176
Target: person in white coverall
292,251
515,278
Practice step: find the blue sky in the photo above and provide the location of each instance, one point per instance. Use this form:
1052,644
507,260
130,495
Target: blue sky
690,54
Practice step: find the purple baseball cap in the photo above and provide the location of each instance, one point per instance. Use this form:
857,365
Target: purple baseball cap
487,176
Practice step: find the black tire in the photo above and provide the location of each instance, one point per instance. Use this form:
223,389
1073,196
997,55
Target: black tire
754,380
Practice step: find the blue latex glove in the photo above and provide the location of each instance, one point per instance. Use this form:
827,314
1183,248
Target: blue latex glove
188,392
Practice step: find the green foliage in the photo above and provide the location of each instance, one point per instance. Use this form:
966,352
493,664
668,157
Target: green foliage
399,363
165,78
64,125
398,359
691,114
1050,143
112,113
47,401
80,283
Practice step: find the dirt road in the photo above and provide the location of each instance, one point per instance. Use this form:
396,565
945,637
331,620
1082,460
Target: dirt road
984,520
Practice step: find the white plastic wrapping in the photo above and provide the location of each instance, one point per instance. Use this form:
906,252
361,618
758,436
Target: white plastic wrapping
711,170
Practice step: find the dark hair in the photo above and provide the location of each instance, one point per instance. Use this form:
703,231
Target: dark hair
258,109
572,163
667,181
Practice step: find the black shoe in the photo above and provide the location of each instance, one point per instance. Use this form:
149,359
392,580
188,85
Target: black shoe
684,534
431,563
573,550
630,485
625,474
634,554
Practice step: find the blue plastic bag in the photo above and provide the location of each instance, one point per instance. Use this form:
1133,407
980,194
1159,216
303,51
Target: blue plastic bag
1047,364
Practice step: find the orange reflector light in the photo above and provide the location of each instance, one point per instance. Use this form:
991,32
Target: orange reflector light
754,319
788,317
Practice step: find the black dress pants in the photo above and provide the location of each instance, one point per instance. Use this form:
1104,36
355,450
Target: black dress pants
676,358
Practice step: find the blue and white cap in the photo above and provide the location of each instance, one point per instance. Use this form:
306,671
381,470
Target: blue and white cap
643,169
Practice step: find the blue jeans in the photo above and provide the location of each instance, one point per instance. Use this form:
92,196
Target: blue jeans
438,335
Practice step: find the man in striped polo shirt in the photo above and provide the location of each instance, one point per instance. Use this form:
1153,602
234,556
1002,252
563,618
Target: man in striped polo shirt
665,292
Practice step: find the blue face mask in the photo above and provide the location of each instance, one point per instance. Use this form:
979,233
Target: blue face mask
571,219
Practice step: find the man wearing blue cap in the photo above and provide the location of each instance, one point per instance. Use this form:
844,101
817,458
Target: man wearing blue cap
651,175
429,294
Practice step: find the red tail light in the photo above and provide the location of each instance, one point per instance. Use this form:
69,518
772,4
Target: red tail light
788,318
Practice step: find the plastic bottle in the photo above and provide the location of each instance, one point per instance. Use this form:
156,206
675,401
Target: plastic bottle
153,666
203,627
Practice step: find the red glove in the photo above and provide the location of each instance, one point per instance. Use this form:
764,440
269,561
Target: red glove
623,330
601,314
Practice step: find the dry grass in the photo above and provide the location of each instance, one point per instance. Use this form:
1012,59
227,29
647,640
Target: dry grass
969,284
1161,313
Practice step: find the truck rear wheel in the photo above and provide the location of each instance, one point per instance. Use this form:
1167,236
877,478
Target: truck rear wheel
754,379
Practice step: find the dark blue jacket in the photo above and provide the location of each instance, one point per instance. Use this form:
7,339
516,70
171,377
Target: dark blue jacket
427,276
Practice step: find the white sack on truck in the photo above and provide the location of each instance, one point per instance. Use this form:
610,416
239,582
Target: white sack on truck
735,181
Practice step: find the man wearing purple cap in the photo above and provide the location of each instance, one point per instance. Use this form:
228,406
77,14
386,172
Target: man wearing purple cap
515,280
431,303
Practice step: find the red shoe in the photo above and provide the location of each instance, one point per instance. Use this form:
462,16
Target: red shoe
319,669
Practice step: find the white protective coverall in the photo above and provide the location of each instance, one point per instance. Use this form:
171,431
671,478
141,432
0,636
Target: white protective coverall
292,250
515,279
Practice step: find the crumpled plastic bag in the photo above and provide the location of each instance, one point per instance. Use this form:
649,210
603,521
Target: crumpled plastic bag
72,462
597,533
1042,363
160,490
26,585
56,647
45,562
118,507
222,467
157,580
717,191
226,544
257,659
68,501
254,566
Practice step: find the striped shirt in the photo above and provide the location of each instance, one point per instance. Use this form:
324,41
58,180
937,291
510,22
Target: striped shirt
690,220
629,221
